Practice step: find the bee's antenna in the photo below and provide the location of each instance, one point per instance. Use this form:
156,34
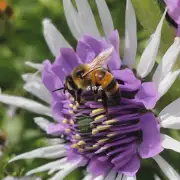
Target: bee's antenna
58,89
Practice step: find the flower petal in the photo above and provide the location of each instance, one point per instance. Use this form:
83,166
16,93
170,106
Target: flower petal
55,129
105,16
131,168
167,62
45,152
73,20
51,81
63,173
88,177
167,82
148,57
169,117
119,176
169,143
147,94
130,36
151,144
85,52
24,103
56,165
98,168
85,12
42,123
166,168
34,65
129,178
53,37
111,175
156,177
131,83
37,89
114,40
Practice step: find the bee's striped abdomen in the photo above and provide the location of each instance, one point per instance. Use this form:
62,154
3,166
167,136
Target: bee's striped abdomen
109,84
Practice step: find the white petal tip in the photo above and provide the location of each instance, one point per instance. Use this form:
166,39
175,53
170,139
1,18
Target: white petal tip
46,21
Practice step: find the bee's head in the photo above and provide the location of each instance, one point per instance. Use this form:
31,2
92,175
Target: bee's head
77,75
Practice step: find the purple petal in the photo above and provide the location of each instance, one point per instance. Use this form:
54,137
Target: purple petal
93,43
114,40
132,167
85,52
73,155
56,129
131,83
70,57
115,61
151,143
57,108
174,9
51,81
147,94
97,167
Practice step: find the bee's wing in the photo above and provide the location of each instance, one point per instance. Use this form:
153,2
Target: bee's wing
101,60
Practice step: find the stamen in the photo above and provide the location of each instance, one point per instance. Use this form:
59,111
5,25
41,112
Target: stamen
67,130
111,134
103,140
80,143
94,131
65,121
71,105
103,127
97,110
112,121
99,117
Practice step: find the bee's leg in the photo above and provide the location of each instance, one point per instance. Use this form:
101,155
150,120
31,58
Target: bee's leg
78,95
104,101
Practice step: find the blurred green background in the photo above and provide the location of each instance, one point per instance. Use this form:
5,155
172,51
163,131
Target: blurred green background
21,40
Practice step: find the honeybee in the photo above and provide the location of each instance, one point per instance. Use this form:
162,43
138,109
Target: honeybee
6,10
92,75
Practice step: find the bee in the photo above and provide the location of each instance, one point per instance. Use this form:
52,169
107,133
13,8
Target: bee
94,74
6,10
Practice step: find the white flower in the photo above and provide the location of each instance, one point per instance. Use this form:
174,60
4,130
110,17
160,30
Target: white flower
163,78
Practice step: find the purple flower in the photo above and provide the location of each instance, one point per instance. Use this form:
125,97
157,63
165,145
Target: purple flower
110,147
174,11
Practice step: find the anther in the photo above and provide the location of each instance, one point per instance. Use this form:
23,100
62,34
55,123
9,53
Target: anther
65,121
99,117
67,130
112,121
97,110
103,127
80,143
94,131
